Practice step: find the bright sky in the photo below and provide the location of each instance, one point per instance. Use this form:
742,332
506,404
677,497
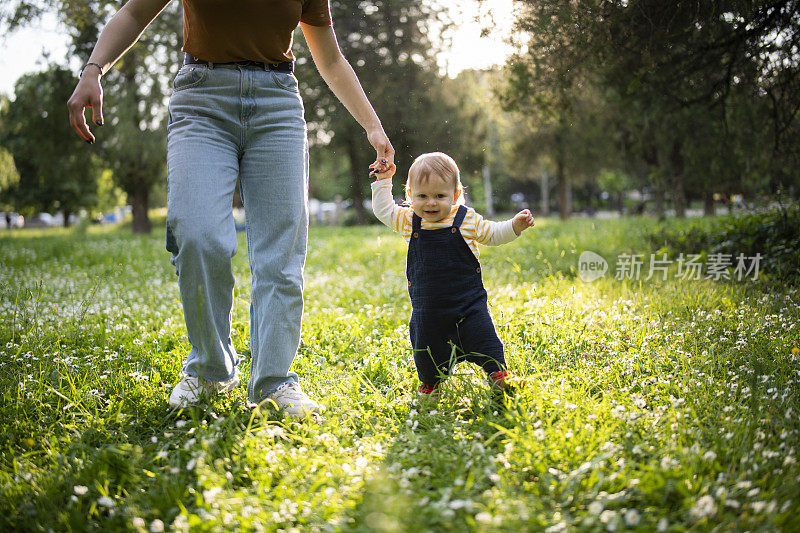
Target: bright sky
22,51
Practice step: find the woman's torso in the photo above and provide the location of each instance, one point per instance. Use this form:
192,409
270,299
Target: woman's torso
221,31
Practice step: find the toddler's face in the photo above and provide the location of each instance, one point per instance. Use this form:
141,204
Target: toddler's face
432,199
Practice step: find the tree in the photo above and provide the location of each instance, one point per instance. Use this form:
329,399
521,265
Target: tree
387,44
56,169
685,81
548,78
133,140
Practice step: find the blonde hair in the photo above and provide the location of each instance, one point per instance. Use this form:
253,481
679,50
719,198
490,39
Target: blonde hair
436,164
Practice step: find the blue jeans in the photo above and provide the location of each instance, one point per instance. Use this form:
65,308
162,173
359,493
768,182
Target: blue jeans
228,122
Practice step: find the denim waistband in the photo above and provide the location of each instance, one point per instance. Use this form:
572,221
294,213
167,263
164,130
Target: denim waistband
285,66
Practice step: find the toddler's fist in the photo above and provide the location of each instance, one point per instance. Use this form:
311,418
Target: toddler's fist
522,221
382,170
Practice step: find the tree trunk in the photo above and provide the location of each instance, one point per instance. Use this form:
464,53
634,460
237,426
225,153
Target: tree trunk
561,178
487,190
655,178
658,200
545,201
67,213
708,203
139,200
678,192
355,173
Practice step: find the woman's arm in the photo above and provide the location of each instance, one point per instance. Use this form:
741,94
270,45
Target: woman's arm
117,37
339,76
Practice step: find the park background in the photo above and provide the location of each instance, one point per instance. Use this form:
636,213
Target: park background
654,402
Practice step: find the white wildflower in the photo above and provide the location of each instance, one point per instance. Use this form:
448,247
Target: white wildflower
105,501
595,507
704,507
632,517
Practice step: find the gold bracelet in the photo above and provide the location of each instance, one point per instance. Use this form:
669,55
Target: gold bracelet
91,63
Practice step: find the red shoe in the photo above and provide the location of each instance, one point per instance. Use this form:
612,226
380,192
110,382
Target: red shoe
428,393
504,382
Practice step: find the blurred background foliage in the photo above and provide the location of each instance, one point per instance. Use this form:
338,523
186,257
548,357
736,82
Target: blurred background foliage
606,105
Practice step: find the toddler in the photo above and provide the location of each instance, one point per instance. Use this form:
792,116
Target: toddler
450,320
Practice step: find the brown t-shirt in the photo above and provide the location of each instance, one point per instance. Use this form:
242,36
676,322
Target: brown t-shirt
221,31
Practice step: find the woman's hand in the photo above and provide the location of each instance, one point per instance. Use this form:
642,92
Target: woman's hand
88,93
383,148
522,221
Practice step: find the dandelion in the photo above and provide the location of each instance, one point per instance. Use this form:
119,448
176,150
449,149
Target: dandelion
156,526
137,521
662,525
80,490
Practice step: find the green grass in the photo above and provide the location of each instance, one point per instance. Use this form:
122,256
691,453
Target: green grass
650,405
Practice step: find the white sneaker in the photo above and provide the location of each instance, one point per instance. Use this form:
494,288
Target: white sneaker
189,389
292,400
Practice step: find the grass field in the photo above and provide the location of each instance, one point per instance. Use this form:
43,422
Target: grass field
650,405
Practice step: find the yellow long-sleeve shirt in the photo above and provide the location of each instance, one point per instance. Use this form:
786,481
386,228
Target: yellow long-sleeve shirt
475,229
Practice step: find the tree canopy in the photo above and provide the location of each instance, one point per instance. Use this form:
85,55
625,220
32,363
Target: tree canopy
56,170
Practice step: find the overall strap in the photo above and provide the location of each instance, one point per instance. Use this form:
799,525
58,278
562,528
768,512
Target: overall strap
459,218
416,222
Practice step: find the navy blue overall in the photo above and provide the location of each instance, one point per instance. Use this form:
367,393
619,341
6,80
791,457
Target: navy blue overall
448,303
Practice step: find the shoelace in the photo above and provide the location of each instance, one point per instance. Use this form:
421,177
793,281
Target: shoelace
288,387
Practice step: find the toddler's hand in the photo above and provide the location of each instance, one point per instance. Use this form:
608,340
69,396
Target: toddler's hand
522,221
382,170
